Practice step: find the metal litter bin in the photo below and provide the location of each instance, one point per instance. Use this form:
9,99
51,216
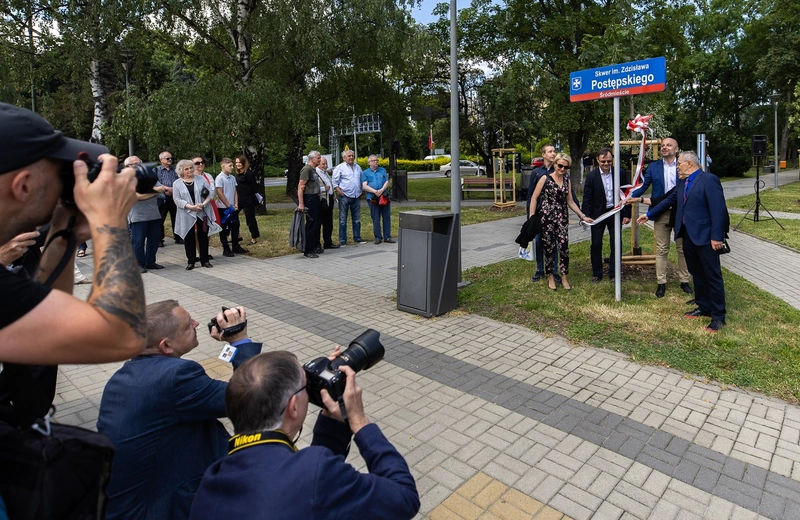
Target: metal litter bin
427,263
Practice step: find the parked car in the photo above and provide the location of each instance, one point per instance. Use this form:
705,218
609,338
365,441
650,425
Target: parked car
434,157
466,168
538,161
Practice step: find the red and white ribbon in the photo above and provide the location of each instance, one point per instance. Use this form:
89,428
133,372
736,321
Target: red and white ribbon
638,124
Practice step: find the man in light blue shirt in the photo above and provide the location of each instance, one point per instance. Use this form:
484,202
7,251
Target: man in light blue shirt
347,183
375,182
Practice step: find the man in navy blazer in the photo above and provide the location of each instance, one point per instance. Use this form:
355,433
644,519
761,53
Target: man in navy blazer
161,411
598,197
266,476
701,220
663,175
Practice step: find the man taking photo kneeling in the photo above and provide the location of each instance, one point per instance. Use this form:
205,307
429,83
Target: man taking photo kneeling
161,413
264,474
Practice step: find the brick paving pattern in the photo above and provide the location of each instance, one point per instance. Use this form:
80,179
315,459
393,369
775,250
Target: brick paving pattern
496,420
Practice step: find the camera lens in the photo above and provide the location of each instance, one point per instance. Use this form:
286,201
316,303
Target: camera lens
145,178
363,353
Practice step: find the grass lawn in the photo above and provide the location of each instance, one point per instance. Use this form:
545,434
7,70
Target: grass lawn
786,199
274,226
759,349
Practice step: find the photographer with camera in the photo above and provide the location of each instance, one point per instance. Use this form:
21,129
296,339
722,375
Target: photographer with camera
39,325
161,412
264,474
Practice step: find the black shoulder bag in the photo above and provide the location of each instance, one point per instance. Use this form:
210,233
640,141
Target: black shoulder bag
48,470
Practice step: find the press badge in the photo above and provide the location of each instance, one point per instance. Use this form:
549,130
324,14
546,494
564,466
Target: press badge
227,353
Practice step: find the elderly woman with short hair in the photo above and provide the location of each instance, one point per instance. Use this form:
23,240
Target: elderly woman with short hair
195,217
556,195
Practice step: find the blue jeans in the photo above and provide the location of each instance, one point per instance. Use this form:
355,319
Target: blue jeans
354,205
145,237
378,212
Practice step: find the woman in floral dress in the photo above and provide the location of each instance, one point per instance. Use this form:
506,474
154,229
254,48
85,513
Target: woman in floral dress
555,190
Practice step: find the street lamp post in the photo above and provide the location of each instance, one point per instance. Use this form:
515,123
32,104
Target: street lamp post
127,64
775,98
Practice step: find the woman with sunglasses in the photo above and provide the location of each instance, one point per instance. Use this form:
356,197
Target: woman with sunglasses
247,189
193,196
555,191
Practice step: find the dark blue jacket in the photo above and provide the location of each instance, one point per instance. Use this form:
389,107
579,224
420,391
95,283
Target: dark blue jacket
273,481
161,414
654,175
703,215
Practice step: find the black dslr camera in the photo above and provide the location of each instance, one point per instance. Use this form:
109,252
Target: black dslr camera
363,353
146,178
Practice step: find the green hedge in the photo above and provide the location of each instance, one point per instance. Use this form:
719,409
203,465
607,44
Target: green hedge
414,166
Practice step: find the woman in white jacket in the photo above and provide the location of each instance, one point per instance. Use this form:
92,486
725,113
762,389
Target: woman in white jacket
195,216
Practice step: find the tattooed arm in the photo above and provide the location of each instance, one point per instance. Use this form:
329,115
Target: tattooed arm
110,326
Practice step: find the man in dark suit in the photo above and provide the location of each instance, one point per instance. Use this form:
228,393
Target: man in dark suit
663,175
598,197
701,220
265,476
161,413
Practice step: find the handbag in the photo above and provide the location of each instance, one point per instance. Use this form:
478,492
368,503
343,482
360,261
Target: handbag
384,200
50,471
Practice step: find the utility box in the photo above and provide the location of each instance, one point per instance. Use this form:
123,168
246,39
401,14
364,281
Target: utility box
427,263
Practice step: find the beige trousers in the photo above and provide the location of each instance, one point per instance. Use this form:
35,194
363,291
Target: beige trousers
663,235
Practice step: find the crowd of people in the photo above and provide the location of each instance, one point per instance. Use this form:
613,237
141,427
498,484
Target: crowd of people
686,204
160,410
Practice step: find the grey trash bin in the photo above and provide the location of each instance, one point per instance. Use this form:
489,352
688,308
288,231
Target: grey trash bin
427,263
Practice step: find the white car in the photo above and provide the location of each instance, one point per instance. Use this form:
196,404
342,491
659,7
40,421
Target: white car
466,168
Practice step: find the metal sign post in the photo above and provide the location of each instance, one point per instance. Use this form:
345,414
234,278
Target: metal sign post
615,81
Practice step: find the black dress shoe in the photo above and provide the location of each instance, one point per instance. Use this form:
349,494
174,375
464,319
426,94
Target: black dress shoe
154,266
178,240
162,244
207,264
332,246
190,267
390,241
319,250
311,255
596,279
142,269
662,288
690,302
695,313
715,325
536,277
240,250
229,254
686,288
210,257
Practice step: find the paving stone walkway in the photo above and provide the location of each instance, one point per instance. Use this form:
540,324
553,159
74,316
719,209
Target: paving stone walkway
496,420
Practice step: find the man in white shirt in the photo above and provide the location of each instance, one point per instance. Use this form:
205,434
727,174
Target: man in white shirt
228,197
347,183
663,175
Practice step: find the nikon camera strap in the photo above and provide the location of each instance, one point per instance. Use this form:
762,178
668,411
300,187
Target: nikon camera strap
245,440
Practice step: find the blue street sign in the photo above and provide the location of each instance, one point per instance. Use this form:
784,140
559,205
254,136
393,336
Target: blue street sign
625,79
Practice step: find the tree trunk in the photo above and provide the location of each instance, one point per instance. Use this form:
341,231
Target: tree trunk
295,160
100,102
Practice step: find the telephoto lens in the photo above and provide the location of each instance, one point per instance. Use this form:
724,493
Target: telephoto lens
145,178
363,352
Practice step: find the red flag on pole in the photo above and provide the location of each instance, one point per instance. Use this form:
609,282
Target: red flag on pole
430,140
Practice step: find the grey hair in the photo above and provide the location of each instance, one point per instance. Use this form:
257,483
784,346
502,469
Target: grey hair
312,154
344,153
161,155
130,159
183,163
690,156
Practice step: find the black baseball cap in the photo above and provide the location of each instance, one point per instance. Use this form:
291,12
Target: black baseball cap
27,137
